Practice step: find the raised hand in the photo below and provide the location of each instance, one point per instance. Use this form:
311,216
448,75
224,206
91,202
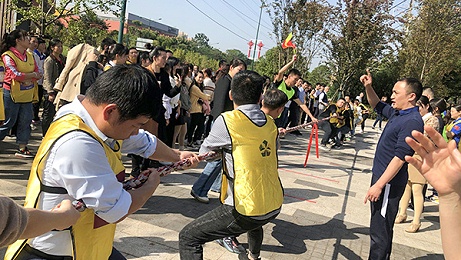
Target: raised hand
440,162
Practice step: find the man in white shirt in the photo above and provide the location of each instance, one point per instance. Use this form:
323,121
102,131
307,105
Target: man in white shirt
81,163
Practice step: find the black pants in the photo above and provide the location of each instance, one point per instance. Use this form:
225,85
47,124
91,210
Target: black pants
196,127
37,105
293,117
49,111
364,116
383,214
221,222
329,130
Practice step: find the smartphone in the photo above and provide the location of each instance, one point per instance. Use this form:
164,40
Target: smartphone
178,72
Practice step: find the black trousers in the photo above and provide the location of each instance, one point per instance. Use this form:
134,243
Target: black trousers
49,111
220,222
37,105
383,214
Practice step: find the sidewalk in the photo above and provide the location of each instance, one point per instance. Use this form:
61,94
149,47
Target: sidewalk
323,216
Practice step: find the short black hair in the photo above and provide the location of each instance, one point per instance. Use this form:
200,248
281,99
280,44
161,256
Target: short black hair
127,86
116,49
294,72
274,99
107,42
413,86
156,52
246,87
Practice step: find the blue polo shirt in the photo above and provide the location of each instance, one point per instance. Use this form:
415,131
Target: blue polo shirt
392,141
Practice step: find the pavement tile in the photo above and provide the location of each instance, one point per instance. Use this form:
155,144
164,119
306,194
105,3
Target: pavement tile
323,216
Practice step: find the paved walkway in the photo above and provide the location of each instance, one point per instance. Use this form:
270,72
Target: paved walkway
323,216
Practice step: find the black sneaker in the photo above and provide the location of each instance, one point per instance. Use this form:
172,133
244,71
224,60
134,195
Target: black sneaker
244,256
24,153
231,244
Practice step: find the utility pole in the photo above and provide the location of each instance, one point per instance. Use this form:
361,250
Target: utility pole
122,22
257,33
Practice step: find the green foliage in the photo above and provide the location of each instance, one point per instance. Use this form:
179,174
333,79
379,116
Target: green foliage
51,11
87,28
269,63
321,74
361,32
432,47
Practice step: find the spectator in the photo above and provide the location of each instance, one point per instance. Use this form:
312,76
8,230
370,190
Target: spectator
390,174
20,88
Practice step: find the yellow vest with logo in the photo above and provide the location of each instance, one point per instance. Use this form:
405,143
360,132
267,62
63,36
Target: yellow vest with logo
25,91
92,237
257,187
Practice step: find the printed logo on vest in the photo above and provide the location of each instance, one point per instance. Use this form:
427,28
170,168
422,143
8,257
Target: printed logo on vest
265,149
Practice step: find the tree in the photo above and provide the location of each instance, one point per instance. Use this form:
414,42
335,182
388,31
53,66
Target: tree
321,74
234,53
87,28
431,49
306,20
201,39
268,63
50,11
360,32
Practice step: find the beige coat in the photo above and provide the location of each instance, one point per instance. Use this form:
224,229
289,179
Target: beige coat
68,83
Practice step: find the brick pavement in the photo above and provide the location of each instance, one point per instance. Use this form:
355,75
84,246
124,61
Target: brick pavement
323,216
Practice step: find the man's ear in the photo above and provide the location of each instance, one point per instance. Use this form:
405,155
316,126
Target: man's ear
280,110
110,112
230,95
412,98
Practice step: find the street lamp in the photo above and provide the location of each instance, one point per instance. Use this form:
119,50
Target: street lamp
257,33
122,22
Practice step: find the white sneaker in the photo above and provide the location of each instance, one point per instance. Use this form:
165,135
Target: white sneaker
324,148
198,198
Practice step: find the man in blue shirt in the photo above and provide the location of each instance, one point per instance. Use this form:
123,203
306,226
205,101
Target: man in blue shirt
390,173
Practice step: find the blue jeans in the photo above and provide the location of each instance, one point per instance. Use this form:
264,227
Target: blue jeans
221,222
206,179
22,113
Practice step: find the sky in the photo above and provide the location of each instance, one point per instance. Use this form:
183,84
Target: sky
240,17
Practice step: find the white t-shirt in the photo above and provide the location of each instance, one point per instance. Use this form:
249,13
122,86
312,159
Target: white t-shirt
77,162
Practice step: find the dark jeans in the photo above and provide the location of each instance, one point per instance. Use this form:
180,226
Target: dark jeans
383,214
204,182
49,111
328,129
221,222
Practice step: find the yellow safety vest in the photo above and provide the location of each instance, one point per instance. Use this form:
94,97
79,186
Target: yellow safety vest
92,237
257,187
25,91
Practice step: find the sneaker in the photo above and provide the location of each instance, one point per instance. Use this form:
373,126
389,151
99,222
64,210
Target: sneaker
244,256
336,147
24,153
198,198
324,147
231,244
372,127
